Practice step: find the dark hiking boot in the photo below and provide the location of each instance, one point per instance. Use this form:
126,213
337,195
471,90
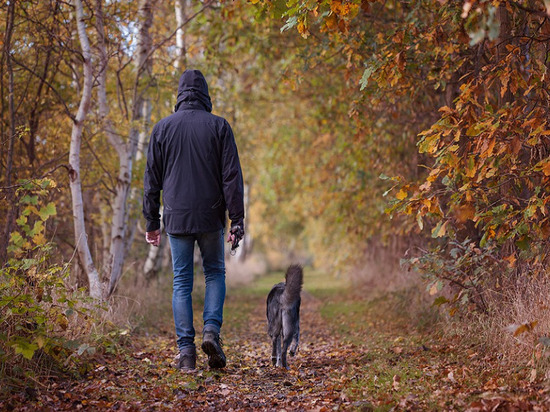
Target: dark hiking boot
187,359
212,346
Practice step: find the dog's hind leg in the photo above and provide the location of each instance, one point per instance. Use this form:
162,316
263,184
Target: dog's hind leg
286,344
287,337
276,350
295,342
296,335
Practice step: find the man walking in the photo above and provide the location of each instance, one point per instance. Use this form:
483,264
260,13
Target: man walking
193,159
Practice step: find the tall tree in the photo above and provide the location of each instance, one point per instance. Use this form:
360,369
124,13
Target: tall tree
81,238
126,150
6,56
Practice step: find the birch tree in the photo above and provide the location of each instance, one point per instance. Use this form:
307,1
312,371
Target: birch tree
180,8
121,228
126,150
81,239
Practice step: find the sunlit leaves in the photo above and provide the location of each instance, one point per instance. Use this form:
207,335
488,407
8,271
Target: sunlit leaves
35,212
365,77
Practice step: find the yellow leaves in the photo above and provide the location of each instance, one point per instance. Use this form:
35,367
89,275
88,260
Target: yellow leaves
487,147
440,229
446,110
471,167
532,123
341,13
40,341
465,212
62,321
429,144
331,22
398,37
344,8
432,205
511,260
401,195
419,221
39,239
474,130
543,166
303,30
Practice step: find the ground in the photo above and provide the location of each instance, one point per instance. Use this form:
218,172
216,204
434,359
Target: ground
359,351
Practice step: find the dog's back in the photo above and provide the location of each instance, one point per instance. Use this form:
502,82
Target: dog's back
283,315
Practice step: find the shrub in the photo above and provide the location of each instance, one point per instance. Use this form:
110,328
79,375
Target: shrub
42,323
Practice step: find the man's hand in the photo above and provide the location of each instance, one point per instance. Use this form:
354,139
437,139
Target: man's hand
153,238
235,235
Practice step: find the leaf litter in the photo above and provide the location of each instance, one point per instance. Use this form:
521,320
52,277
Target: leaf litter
371,360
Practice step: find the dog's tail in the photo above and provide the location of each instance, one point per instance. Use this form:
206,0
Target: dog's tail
294,279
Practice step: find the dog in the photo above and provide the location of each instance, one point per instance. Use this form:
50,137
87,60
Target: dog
283,315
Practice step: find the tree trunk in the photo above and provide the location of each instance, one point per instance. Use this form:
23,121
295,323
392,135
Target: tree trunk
12,131
81,239
181,17
126,150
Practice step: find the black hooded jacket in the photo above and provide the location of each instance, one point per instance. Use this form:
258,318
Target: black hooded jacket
193,159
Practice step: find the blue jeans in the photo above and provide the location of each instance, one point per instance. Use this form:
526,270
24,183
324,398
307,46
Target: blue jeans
212,250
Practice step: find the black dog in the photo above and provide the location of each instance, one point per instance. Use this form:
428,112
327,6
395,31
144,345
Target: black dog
283,315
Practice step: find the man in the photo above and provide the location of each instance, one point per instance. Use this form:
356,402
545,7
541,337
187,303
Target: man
193,159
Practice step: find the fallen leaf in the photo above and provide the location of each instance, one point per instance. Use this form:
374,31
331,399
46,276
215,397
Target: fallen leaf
396,382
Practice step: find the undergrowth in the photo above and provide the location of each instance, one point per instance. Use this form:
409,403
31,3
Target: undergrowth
46,329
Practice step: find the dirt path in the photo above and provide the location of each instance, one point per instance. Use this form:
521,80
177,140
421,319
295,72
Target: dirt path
355,354
144,378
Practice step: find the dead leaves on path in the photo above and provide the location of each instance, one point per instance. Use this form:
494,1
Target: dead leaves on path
382,370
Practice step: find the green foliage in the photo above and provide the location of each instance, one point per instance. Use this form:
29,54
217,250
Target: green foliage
465,269
43,323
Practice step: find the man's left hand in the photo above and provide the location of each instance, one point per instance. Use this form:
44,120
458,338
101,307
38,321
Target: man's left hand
235,235
153,238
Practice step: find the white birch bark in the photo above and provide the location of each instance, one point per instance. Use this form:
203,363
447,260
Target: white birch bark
126,150
181,16
81,239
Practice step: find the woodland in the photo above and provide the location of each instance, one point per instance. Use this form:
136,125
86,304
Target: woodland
399,150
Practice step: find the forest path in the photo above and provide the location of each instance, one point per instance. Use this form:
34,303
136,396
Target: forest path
355,354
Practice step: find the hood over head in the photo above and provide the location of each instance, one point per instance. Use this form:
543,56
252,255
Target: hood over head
193,91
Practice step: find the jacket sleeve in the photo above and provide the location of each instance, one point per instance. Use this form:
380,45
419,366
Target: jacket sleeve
152,183
232,177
